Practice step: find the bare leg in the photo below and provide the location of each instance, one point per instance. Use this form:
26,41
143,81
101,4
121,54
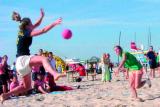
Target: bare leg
20,89
133,79
41,89
138,82
152,73
4,87
132,85
40,60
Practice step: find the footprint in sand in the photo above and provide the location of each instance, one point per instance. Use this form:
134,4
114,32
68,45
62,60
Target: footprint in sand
40,98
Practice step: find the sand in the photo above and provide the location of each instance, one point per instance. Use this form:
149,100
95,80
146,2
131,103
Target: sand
92,94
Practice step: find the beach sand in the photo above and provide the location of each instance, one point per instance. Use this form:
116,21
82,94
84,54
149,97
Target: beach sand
92,94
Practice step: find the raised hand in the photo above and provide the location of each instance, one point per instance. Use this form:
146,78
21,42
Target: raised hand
42,12
58,21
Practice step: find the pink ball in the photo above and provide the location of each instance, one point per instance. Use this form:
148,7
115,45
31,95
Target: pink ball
67,33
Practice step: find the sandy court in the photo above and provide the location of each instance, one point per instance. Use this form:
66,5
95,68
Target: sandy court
92,94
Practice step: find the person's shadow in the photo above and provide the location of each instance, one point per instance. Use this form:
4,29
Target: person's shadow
153,97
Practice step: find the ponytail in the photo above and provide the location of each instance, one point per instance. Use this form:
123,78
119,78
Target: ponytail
16,14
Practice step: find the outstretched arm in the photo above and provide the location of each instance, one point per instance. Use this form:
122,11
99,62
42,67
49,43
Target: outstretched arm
39,20
46,29
121,64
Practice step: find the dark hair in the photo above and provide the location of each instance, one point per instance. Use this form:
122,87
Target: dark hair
5,56
119,47
151,47
40,50
108,54
13,76
50,53
24,23
13,15
80,64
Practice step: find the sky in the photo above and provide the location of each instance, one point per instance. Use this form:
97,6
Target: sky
95,24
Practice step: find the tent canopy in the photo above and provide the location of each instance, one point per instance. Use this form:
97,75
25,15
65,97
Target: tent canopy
93,59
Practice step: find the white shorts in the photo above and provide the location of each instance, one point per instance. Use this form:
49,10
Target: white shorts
22,65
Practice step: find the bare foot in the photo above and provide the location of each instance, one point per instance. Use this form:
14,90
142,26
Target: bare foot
59,76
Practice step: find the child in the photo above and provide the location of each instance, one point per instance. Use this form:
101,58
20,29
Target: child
49,82
106,76
39,84
14,83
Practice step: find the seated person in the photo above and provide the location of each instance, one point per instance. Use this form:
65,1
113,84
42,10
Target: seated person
39,85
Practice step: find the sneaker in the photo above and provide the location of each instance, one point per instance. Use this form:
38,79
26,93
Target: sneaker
148,81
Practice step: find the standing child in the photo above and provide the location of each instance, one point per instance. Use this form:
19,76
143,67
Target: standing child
106,75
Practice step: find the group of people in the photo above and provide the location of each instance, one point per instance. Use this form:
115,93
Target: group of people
42,81
25,63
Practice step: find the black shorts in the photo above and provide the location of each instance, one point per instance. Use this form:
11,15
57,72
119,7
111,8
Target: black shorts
158,64
153,64
3,79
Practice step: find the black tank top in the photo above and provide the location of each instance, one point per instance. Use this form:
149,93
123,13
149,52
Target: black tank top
24,40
